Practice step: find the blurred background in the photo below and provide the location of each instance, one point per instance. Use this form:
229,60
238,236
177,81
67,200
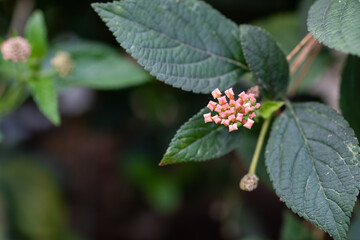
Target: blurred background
97,176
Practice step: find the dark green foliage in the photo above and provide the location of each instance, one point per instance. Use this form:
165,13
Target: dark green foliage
313,161
350,93
336,23
186,43
266,61
197,141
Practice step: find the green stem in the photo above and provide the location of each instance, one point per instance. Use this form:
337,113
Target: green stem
259,144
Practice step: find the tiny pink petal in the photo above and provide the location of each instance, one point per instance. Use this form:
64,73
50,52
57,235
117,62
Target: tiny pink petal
242,94
216,93
216,119
222,100
225,122
223,115
226,106
245,97
252,115
218,108
249,123
207,118
239,117
233,127
232,117
230,93
246,105
211,105
247,110
237,106
232,103
257,106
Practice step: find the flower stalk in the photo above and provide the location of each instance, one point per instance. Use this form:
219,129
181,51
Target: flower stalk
259,144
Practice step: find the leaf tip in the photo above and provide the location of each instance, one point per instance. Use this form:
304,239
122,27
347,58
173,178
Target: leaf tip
56,121
97,6
163,162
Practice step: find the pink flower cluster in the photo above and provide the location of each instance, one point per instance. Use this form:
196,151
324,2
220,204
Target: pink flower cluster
16,49
234,113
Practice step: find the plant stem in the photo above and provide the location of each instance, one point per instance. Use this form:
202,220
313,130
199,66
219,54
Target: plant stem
259,144
299,46
302,56
21,13
304,71
310,46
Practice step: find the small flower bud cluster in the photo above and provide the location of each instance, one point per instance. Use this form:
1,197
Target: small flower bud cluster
16,49
249,182
234,113
62,63
254,90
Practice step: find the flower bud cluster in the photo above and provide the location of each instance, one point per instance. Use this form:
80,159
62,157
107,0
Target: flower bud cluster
249,182
62,63
16,49
234,113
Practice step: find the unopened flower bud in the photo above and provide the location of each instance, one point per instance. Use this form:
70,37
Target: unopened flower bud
237,113
16,49
62,63
254,90
216,93
249,182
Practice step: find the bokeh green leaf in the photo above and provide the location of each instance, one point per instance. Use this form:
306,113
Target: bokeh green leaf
15,95
46,98
99,66
36,33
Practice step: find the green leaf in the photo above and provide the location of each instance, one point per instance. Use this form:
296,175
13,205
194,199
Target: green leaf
349,93
99,66
336,23
266,61
294,229
313,157
14,96
46,98
36,33
284,27
268,108
186,43
287,30
200,141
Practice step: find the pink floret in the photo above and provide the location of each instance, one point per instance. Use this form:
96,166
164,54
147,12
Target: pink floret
233,127
249,123
216,93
